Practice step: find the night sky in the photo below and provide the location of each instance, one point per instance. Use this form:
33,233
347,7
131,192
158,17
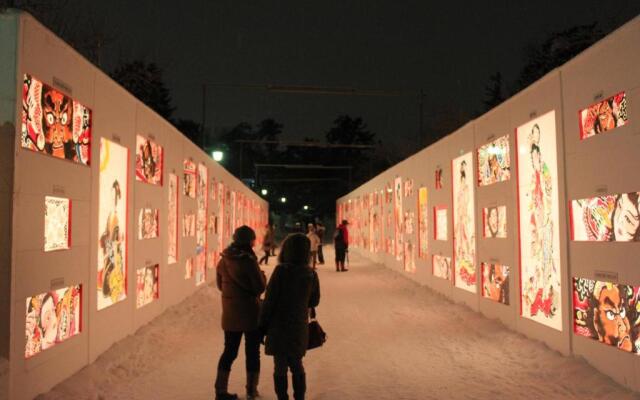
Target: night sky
448,48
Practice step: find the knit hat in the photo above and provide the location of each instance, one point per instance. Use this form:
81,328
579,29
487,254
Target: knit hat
244,235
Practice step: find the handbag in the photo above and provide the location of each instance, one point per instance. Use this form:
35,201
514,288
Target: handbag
317,336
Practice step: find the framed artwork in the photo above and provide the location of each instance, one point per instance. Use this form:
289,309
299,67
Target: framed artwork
609,218
51,318
607,312
149,159
189,183
148,224
538,221
112,224
423,223
495,282
201,212
438,177
442,267
494,164
57,223
147,287
440,222
603,116
53,123
464,236
189,224
397,205
494,222
188,268
172,220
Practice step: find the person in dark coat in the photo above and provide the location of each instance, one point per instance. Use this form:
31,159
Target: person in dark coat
320,229
341,245
241,282
293,289
267,242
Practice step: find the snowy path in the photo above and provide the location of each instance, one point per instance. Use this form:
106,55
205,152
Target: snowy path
388,339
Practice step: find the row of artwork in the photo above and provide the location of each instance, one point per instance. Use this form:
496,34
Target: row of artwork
57,125
614,217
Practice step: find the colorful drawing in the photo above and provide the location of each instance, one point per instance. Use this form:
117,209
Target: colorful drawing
603,116
57,223
398,218
423,223
442,267
172,220
494,221
189,183
112,224
438,174
494,164
539,219
53,123
495,282
464,237
188,268
147,288
148,161
189,224
610,218
201,217
607,312
440,223
51,318
148,224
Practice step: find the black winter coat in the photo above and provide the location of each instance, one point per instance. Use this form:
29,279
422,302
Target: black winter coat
241,282
291,291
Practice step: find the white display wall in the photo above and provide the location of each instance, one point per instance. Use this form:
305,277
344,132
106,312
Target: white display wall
557,216
103,272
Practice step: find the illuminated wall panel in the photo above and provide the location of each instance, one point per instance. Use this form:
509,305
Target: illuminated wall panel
57,223
423,222
494,221
149,161
464,237
147,285
172,220
604,116
610,218
442,267
495,282
494,163
148,223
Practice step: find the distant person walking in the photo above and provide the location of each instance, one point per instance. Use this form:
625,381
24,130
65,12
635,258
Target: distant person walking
273,243
241,282
292,290
320,230
315,243
267,243
341,245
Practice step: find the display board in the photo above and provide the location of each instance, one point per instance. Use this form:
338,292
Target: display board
423,222
149,160
494,222
147,285
495,282
51,318
112,224
442,267
148,223
172,220
440,222
609,218
57,223
494,162
464,237
603,116
189,182
201,223
539,216
398,218
53,123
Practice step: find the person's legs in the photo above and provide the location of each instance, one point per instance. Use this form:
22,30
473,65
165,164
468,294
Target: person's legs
280,376
298,378
264,258
313,259
252,355
231,345
320,255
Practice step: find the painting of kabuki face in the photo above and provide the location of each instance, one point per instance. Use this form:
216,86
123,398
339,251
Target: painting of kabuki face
438,174
147,289
495,282
57,218
53,123
607,312
189,184
148,161
603,116
148,223
52,318
442,267
494,164
539,216
464,237
494,220
189,224
112,224
440,223
172,220
610,218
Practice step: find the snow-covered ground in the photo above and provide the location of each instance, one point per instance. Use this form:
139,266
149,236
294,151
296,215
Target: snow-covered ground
4,377
388,339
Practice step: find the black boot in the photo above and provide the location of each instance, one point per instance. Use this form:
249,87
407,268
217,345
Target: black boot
299,386
280,383
222,385
252,385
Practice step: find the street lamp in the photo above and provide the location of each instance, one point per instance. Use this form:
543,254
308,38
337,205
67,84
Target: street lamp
283,199
264,192
306,207
217,155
